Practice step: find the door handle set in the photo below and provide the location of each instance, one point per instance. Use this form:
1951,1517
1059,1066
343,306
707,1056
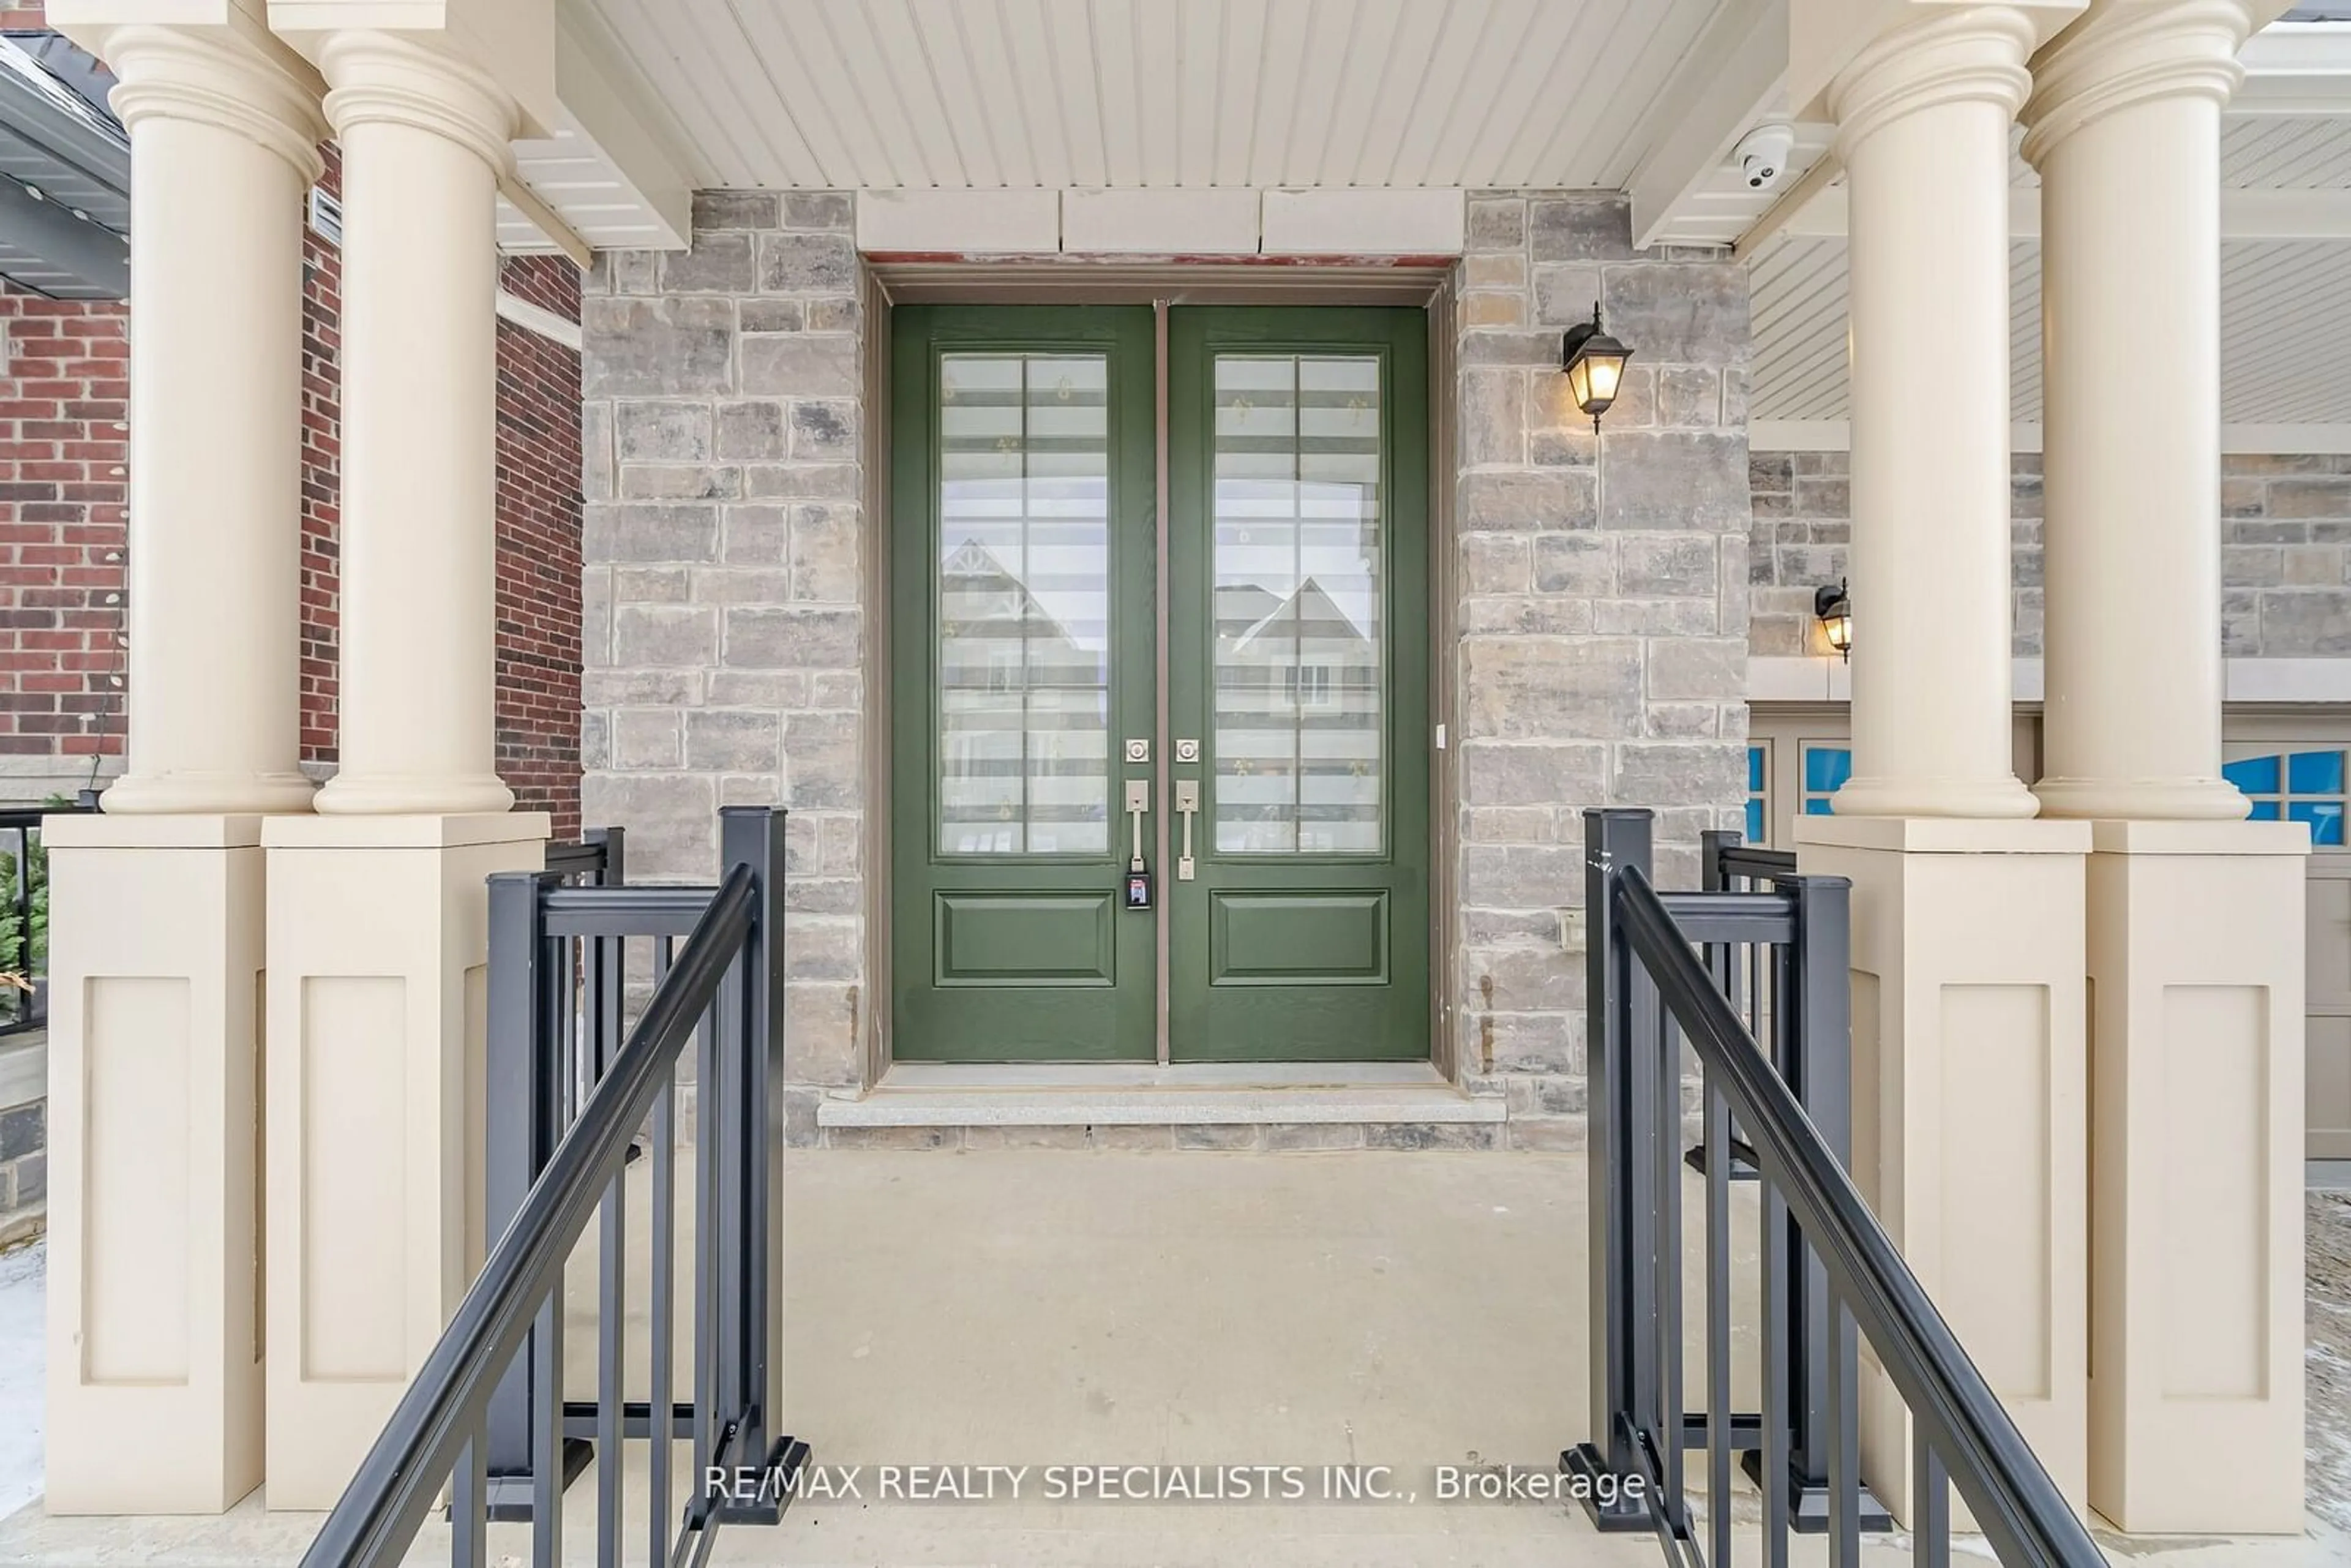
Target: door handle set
1138,806
1138,875
1188,806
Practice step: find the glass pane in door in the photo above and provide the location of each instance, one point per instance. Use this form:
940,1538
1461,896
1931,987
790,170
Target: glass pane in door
1297,578
1023,602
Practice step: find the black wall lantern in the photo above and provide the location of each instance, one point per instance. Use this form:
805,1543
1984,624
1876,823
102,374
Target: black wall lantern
1595,363
1833,608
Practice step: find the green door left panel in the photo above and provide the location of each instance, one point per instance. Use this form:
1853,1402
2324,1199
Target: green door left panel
1022,659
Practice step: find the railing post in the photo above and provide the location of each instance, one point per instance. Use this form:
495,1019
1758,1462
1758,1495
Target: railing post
614,842
751,1048
1722,963
1711,843
520,1125
1615,1149
1811,1047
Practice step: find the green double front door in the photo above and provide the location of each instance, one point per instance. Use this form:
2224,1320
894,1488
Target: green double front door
1236,701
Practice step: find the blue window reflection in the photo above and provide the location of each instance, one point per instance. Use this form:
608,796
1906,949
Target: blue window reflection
2324,817
2253,775
1827,767
2313,772
1754,821
2264,811
1755,770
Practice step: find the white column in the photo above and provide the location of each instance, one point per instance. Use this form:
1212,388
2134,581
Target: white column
1923,117
425,137
377,927
2125,131
223,143
1968,1017
2196,927
155,1349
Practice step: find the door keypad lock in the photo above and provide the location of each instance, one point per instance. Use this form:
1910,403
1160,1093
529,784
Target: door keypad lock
1138,876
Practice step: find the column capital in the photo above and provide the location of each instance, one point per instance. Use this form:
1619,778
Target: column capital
212,77
2124,52
381,79
1974,53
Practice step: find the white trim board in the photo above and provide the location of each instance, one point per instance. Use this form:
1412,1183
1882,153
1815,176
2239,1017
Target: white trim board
1827,680
1242,221
539,319
1836,435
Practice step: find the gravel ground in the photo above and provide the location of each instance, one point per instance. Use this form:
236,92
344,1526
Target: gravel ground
21,1295
2326,1354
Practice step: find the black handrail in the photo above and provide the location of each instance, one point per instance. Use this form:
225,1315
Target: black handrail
1729,858
381,1509
2017,1506
597,859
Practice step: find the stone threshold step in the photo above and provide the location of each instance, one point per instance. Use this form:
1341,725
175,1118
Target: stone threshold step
942,1094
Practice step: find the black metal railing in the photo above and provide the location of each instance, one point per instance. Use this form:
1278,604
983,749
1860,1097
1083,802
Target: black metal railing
1659,976
25,911
488,1412
599,859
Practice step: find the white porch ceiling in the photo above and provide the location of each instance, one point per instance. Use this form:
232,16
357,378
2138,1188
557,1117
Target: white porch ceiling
957,94
2285,332
2285,285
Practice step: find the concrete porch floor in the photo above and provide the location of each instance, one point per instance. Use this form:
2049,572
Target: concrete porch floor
1035,1308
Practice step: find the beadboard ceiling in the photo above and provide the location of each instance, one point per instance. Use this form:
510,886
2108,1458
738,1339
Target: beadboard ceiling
2285,304
981,94
2285,332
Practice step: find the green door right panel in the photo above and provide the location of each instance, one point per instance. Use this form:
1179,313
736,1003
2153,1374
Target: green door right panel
1298,665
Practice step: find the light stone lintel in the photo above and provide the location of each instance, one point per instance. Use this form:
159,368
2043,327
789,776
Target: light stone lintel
1152,1107
1365,223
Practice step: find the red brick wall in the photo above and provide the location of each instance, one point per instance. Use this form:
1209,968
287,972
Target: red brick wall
322,479
64,387
63,393
538,547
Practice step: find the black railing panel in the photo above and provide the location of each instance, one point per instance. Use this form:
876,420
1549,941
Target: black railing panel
25,911
1829,1274
576,1099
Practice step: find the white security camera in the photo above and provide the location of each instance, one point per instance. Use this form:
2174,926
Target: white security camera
1762,155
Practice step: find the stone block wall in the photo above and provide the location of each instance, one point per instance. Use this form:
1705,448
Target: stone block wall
724,623
1601,609
2286,556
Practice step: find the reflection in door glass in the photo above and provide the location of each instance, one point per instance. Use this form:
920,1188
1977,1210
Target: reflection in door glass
1300,624
1024,604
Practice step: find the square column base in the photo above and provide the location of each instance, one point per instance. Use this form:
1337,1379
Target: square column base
2196,931
377,997
1970,1109
155,1331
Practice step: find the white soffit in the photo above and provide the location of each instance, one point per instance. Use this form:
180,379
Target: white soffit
2285,332
2289,128
2285,261
607,174
956,94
